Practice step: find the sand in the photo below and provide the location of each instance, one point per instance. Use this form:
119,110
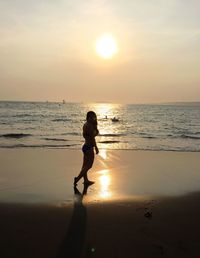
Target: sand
143,204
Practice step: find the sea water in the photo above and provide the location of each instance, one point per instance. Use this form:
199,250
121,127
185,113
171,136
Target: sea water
167,127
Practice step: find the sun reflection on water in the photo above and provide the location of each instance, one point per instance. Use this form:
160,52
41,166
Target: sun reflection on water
110,134
104,108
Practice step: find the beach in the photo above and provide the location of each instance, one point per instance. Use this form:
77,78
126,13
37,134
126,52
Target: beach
117,77
143,204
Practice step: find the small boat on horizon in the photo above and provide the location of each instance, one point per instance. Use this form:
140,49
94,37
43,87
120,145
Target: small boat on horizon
114,119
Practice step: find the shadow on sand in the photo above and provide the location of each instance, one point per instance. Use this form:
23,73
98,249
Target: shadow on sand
73,245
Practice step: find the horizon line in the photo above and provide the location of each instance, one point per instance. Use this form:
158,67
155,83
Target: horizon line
104,102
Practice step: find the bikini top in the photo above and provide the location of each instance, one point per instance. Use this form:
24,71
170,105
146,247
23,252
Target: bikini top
87,132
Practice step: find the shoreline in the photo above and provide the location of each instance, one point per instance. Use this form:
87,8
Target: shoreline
46,175
79,149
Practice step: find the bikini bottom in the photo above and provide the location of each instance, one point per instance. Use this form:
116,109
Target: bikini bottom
86,148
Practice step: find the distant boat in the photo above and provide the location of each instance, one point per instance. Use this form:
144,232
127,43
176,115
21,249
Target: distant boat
104,118
114,119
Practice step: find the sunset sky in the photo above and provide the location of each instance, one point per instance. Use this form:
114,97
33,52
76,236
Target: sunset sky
48,50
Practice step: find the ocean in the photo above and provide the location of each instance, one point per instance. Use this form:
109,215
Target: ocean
167,127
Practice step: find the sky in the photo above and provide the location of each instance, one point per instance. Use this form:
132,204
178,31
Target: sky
47,50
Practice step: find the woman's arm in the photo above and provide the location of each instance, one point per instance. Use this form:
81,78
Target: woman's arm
95,146
96,132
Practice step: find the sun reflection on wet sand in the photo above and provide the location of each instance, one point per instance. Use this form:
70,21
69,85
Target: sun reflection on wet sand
103,154
105,180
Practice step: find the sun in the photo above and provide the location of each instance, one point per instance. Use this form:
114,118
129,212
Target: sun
106,46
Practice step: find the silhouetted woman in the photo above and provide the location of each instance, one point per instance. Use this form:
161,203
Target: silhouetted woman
90,131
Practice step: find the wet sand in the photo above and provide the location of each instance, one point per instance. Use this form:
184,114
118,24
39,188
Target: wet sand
143,204
166,227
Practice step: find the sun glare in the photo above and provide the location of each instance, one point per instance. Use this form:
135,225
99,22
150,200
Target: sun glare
105,183
106,46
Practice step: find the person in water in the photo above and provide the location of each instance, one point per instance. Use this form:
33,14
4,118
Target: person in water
90,131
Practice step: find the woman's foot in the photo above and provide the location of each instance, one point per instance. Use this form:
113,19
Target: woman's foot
75,181
88,182
76,191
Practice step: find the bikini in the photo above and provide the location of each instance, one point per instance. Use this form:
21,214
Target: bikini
86,147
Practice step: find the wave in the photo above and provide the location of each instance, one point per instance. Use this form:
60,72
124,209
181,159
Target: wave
56,139
149,137
167,148
38,146
15,135
61,120
22,115
185,136
196,133
109,142
74,133
145,135
140,133
77,147
111,134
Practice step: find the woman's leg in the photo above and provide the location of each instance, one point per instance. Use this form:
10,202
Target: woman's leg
88,160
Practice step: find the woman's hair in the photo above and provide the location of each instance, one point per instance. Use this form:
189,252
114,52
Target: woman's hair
91,114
